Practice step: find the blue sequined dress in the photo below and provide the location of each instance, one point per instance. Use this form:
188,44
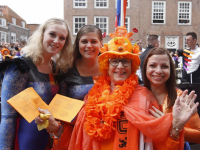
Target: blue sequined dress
76,86
15,81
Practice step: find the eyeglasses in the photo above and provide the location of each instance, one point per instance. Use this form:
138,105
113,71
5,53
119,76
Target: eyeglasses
115,62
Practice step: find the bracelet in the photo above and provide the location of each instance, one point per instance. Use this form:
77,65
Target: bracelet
177,129
57,129
173,136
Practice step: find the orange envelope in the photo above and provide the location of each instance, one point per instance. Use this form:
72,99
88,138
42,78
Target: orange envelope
61,107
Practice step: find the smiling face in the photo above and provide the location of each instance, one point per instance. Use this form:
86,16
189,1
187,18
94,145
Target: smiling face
89,45
54,39
158,70
119,73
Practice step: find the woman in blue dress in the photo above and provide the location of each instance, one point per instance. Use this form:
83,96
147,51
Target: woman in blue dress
35,69
80,78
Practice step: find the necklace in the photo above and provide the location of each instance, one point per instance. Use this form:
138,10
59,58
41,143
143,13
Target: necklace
103,108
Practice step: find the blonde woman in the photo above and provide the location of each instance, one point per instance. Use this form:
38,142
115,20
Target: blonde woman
35,69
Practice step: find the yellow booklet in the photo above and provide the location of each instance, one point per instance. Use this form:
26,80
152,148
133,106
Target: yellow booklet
61,107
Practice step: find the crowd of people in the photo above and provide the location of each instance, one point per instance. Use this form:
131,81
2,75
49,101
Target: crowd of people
118,113
14,48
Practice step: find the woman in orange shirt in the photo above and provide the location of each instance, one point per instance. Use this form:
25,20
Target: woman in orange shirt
159,78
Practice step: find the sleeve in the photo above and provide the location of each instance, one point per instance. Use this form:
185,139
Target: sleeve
156,129
192,135
14,82
192,129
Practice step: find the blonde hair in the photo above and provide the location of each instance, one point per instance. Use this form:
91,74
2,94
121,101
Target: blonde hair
34,48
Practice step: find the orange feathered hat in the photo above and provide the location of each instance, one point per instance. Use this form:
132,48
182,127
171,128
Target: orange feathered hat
119,47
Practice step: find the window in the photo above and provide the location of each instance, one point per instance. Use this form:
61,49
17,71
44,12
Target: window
3,36
23,24
127,23
78,22
185,46
184,13
101,3
14,21
79,3
23,37
2,22
13,37
158,12
102,23
171,42
128,4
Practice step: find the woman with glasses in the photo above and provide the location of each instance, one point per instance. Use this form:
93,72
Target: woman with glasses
115,115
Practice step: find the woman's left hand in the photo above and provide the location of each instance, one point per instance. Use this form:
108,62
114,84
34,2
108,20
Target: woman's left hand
53,125
189,100
155,112
182,110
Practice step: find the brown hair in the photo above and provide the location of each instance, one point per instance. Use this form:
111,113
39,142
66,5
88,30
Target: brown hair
83,30
170,83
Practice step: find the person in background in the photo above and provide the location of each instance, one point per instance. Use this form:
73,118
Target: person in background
16,46
36,69
139,43
23,43
80,78
152,41
1,47
115,116
159,78
7,46
191,59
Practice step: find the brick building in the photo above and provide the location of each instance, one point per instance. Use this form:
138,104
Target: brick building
12,27
32,28
170,20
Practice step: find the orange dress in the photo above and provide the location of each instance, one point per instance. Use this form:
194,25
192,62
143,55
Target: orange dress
192,127
133,119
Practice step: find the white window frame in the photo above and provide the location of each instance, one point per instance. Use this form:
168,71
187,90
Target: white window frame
23,37
157,11
79,2
168,36
13,37
23,24
14,21
101,23
128,4
182,11
80,24
5,35
184,43
3,22
127,24
101,1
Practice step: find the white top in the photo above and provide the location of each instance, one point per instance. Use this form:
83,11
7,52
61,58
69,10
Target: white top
195,60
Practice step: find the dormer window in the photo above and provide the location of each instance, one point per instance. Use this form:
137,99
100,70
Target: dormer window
23,24
14,21
2,22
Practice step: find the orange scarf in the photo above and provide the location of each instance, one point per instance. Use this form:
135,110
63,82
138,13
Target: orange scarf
103,108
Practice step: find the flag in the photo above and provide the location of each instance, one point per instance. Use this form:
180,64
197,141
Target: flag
121,11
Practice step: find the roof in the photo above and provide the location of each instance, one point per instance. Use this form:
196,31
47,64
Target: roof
7,11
